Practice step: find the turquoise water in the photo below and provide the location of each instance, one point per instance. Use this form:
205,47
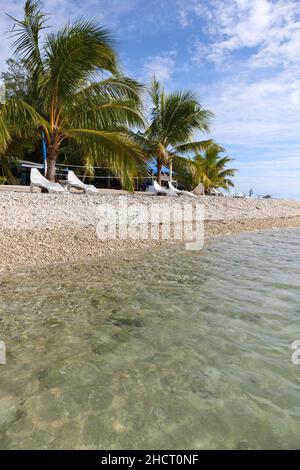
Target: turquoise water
167,349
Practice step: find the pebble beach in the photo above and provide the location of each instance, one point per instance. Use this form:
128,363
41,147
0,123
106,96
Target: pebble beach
41,229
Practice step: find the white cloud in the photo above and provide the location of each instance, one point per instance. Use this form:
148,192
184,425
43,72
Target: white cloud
278,177
249,108
271,28
59,13
14,9
261,112
255,46
162,66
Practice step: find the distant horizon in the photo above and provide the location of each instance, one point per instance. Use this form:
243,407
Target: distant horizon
240,56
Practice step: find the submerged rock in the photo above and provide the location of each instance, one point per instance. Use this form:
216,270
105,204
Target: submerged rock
8,411
243,445
51,377
104,348
127,321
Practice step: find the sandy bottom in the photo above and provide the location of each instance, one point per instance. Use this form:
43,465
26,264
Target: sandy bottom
160,349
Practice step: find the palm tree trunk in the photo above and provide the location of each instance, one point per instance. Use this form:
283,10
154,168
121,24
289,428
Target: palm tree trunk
159,167
51,161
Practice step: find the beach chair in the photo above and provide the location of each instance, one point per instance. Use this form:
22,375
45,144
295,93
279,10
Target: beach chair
179,191
160,191
38,180
239,195
215,192
74,182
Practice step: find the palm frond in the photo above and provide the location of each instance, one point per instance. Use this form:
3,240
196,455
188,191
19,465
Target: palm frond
112,148
154,92
117,87
187,148
74,55
5,135
21,118
211,168
102,113
27,34
182,116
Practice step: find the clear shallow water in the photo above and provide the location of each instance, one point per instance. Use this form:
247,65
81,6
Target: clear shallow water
167,350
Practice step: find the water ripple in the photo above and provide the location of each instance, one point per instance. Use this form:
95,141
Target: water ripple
167,350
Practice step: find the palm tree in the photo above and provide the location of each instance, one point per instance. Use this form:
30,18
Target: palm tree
174,118
210,168
67,101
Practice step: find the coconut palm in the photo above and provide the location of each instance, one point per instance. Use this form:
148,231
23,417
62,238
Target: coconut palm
210,168
174,119
67,101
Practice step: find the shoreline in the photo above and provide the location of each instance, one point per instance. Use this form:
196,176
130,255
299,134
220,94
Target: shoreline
28,249
38,230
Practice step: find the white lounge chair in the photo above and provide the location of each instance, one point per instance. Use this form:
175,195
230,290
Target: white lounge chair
74,182
159,190
216,192
179,191
38,180
240,195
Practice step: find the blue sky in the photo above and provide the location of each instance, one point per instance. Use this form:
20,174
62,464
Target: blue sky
242,57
